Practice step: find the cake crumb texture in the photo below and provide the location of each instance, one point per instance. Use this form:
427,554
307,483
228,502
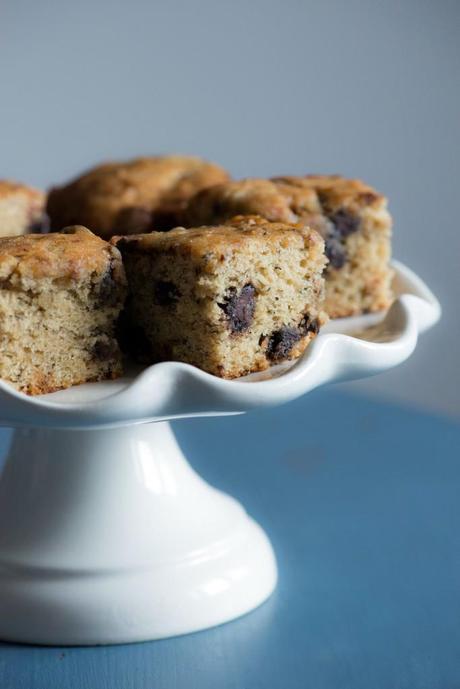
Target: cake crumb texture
230,299
60,297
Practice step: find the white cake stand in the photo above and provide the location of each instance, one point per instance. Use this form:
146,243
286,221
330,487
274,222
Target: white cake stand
106,533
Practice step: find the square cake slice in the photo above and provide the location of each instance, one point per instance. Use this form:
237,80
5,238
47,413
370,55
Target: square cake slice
356,226
351,217
230,299
60,297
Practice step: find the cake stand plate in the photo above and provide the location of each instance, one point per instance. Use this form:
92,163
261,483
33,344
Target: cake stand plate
107,535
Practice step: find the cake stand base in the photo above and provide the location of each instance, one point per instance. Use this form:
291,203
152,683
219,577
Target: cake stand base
109,536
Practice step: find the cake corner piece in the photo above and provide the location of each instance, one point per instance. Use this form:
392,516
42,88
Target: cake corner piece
60,297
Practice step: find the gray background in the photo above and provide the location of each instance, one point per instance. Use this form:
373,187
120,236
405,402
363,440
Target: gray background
368,89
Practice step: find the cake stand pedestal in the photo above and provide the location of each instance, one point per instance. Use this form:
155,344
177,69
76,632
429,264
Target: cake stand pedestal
111,537
107,535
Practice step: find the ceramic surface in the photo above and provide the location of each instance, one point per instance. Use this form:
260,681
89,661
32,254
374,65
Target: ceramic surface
108,536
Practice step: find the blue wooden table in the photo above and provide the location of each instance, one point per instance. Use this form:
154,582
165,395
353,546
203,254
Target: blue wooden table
361,501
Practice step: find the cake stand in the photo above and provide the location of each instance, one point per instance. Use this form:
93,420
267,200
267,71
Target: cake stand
107,535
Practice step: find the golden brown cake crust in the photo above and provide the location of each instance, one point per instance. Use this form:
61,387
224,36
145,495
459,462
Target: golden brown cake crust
281,199
253,196
73,254
125,197
199,240
334,191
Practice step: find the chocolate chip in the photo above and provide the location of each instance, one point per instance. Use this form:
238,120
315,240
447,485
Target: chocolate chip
309,325
106,291
345,223
133,220
104,350
281,342
165,293
336,252
341,225
239,308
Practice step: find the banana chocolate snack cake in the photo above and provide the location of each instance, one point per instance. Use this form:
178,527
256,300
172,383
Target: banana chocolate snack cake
132,197
351,217
60,296
22,209
230,299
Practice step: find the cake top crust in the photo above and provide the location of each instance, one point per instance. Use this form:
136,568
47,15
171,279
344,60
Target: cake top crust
254,196
334,190
282,199
76,254
149,184
235,234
